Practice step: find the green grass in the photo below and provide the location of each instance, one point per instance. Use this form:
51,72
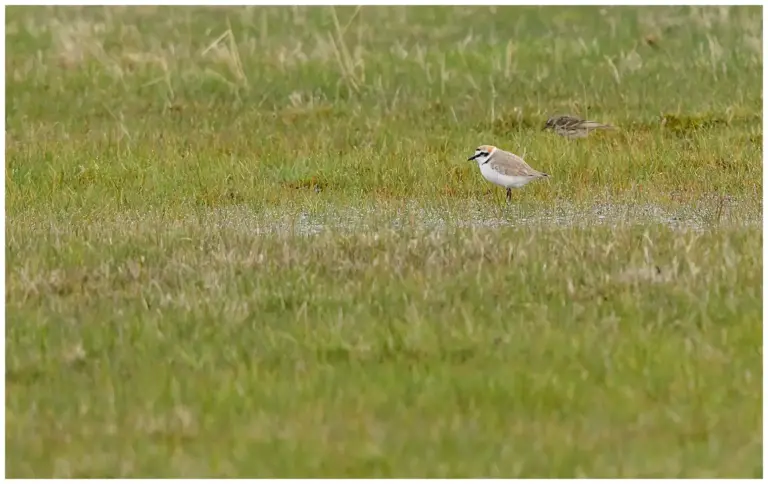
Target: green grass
182,301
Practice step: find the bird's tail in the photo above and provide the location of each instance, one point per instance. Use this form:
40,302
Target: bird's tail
596,125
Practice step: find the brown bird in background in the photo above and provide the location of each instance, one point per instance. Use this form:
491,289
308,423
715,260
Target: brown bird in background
573,127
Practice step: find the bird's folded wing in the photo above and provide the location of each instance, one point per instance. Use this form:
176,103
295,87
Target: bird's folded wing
512,165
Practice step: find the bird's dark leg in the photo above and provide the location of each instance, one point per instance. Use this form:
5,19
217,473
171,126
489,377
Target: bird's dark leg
509,195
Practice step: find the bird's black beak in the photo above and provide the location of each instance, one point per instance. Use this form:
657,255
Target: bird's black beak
473,157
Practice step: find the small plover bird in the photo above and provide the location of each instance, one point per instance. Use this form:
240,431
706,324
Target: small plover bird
504,168
573,127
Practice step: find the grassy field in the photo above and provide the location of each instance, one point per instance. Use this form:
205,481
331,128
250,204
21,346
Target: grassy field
247,242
